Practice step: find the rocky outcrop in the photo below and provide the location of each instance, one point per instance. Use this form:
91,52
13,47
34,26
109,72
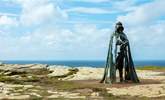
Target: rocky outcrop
13,69
17,67
63,72
79,73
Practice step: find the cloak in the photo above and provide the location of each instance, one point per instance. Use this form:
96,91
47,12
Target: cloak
128,65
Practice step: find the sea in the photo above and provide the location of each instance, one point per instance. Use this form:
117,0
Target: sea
82,63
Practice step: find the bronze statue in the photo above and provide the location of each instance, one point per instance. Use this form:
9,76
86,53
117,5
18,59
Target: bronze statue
119,57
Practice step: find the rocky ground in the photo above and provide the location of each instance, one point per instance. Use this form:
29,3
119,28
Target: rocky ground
37,81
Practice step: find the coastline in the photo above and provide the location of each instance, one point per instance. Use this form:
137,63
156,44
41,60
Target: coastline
41,81
90,63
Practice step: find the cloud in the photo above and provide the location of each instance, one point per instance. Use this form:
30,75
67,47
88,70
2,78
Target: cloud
145,29
5,20
146,39
143,14
53,42
93,1
144,23
9,14
66,37
88,10
116,6
54,34
35,12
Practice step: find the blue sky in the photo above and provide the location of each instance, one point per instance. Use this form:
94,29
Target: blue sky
79,29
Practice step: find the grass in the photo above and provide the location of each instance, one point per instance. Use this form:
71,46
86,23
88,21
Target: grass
24,76
151,68
11,80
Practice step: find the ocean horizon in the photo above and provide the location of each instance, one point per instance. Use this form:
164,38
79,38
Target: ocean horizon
80,63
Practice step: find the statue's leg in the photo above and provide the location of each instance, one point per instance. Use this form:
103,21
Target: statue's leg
121,74
127,73
127,70
121,69
119,66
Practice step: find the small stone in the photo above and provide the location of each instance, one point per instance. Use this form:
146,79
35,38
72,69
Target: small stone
35,94
7,73
63,93
53,96
53,92
14,94
14,86
21,97
76,97
28,86
74,94
16,76
29,76
95,94
6,92
34,90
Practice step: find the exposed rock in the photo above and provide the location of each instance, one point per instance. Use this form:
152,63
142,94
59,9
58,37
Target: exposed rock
66,95
57,71
53,96
87,73
74,97
15,94
21,68
16,76
20,97
95,94
14,86
62,72
153,90
7,73
11,72
53,92
35,94
28,86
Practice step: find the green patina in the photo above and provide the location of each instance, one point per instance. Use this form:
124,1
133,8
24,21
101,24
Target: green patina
110,68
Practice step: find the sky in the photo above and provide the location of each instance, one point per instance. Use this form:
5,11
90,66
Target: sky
79,29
